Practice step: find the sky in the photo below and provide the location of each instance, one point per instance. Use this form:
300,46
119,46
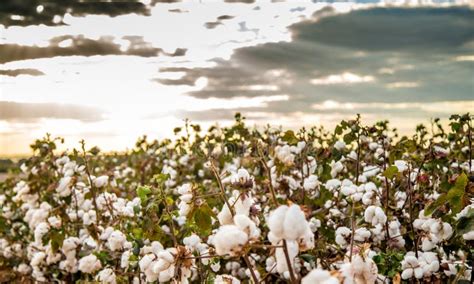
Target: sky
109,72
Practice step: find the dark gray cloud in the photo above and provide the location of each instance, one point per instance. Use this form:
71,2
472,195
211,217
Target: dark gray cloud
18,72
12,111
80,45
409,54
27,9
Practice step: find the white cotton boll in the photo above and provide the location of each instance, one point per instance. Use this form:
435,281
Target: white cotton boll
37,258
106,275
282,265
314,224
306,242
145,261
40,231
167,274
160,265
319,276
186,197
275,221
340,145
407,274
332,184
116,240
283,153
469,236
361,235
89,264
226,279
192,241
64,186
295,224
248,226
310,182
23,268
375,215
55,222
243,204
229,239
101,181
342,233
216,266
167,255
225,216
185,189
336,167
401,165
125,259
373,146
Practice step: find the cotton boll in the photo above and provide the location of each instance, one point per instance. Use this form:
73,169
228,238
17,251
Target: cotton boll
401,165
89,264
306,242
166,255
107,275
229,239
275,221
40,231
248,226
362,235
225,216
340,145
101,181
469,236
226,279
282,265
64,186
295,224
319,276
310,182
116,241
375,215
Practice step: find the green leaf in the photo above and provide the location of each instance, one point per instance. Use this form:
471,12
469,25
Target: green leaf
456,193
466,223
435,205
143,192
290,137
390,172
202,218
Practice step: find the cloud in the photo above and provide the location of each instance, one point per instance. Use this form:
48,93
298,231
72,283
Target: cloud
24,12
82,46
344,78
18,72
12,111
387,55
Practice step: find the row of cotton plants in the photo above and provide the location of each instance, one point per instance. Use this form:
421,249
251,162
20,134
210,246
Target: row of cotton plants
359,204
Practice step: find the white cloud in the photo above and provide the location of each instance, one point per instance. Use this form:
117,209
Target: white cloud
344,78
401,85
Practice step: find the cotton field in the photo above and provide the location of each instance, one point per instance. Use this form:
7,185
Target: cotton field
354,204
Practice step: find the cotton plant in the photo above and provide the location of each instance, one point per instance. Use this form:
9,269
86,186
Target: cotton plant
235,205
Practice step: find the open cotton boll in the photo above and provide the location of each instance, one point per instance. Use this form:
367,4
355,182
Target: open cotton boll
310,182
284,154
275,221
107,275
319,276
306,242
226,279
342,233
375,215
116,241
340,145
229,239
89,264
295,224
225,216
359,270
248,226
282,265
101,181
64,186
401,165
